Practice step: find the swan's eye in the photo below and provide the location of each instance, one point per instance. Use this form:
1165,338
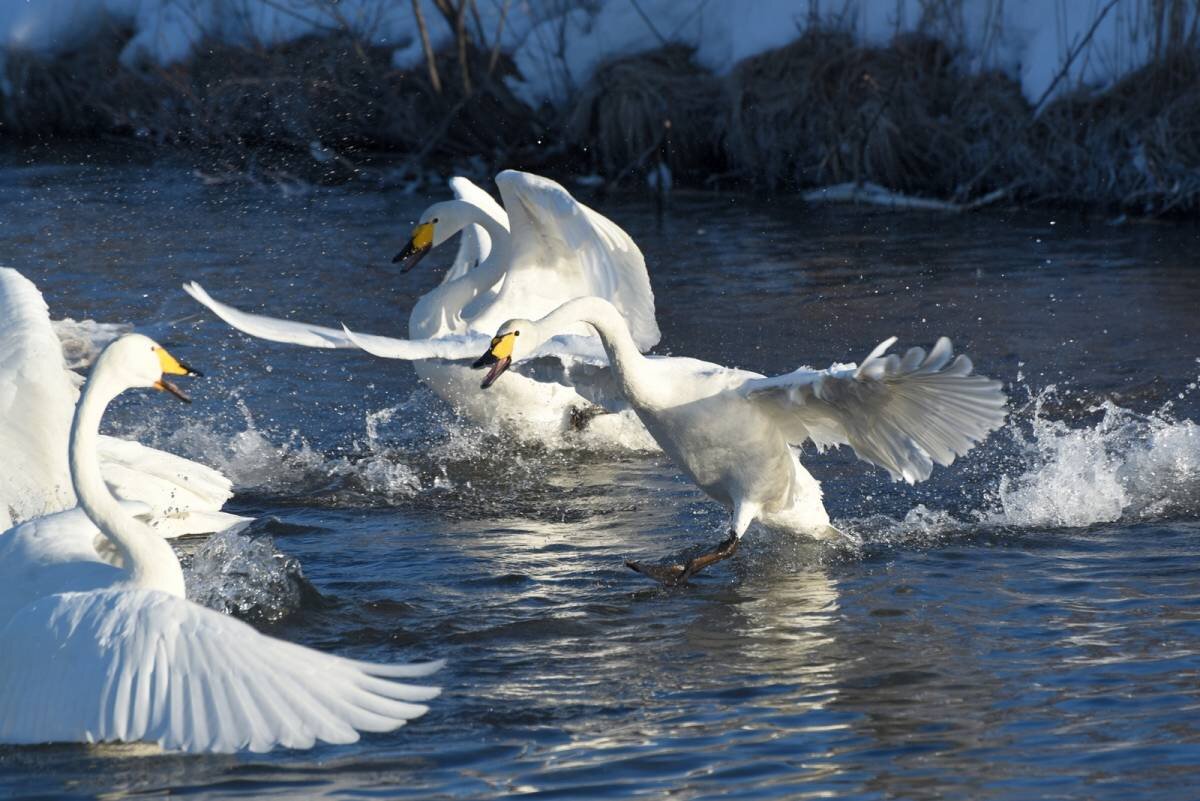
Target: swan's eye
434,221
516,333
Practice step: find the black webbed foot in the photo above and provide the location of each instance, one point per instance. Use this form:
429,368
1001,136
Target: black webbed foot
677,574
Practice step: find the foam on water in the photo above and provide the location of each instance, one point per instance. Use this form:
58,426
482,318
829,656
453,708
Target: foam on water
256,461
1124,466
82,340
1118,466
1110,464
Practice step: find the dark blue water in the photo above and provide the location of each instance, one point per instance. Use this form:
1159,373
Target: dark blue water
1025,625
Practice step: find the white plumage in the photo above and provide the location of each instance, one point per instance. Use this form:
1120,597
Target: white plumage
37,399
558,249
129,665
101,645
733,431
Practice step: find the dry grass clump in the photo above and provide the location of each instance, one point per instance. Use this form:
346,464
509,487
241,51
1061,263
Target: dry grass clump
63,95
1135,146
825,110
641,108
314,109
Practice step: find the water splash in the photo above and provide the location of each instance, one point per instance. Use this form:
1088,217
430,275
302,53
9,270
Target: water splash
244,576
82,340
1119,465
259,461
1125,466
1107,464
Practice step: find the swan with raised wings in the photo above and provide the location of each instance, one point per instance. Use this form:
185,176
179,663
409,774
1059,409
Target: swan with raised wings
37,400
734,432
101,645
557,249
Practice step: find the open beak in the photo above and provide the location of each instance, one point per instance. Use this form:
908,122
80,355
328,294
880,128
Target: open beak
172,366
167,386
420,244
498,358
498,365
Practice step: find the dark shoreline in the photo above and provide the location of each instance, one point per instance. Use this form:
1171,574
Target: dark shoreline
821,111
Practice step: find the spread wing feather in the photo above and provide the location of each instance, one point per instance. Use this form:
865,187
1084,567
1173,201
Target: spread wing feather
37,402
140,665
902,414
270,328
588,253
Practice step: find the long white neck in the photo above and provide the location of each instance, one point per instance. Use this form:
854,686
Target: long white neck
632,368
147,558
442,307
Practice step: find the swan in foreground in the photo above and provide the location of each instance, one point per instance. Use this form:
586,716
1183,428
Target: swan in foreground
733,431
101,645
37,400
558,249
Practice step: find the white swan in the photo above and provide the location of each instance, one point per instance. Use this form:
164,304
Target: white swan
37,399
558,249
732,431
102,650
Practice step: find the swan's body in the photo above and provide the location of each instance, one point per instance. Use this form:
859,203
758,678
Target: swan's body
37,400
100,643
733,432
557,249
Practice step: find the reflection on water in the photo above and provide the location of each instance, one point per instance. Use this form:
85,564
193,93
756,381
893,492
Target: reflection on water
1023,625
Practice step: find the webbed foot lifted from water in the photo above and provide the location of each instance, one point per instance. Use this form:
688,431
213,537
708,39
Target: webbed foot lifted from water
675,575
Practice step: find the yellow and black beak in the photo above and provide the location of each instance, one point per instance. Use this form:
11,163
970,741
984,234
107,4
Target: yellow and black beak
172,366
417,247
498,357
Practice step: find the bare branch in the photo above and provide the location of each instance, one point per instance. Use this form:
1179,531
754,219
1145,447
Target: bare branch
427,46
495,56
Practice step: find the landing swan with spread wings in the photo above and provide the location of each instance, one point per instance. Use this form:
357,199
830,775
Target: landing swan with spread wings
733,431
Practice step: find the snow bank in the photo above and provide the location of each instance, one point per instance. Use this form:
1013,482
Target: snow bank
557,44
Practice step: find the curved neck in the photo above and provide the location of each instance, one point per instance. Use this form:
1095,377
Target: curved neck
440,310
630,365
491,269
147,558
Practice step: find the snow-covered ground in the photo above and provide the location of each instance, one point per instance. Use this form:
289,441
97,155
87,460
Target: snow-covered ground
558,43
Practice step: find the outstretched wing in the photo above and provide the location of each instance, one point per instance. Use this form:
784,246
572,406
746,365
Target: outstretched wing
564,350
900,414
453,347
584,252
474,244
141,665
37,402
271,328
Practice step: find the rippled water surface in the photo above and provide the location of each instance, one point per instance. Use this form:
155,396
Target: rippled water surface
1024,625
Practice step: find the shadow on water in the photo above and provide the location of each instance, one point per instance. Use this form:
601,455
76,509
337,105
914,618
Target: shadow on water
1025,623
